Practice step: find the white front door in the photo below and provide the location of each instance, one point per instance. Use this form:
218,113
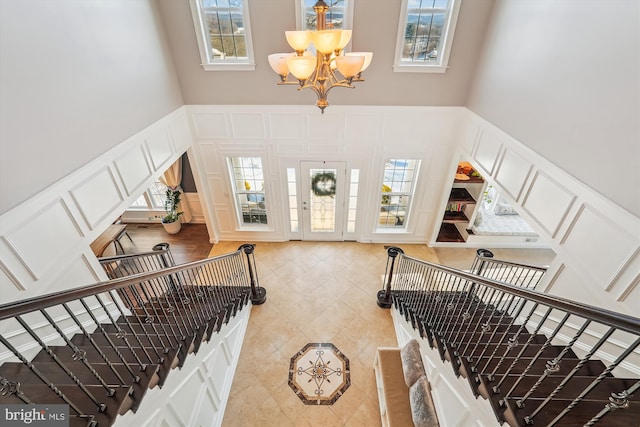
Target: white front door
323,200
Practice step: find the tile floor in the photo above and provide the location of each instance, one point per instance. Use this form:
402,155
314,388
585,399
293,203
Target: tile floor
316,292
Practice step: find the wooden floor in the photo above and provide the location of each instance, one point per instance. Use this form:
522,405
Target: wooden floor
190,244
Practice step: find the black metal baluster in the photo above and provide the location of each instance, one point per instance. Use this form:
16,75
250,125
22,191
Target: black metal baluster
100,405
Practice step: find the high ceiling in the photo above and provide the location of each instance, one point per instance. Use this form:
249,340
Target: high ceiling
375,27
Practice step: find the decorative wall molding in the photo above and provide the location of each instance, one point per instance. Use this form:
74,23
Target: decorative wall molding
44,242
197,395
596,241
363,137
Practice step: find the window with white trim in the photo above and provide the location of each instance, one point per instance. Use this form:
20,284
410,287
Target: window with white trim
339,16
152,199
247,179
223,31
425,35
397,192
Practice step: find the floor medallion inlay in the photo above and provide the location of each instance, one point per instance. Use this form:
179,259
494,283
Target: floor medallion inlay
319,374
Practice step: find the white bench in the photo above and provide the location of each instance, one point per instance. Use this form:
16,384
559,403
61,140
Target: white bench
393,393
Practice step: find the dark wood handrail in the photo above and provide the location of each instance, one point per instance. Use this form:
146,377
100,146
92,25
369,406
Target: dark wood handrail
618,320
17,308
513,264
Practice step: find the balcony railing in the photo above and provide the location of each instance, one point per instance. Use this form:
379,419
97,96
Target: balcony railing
539,359
99,348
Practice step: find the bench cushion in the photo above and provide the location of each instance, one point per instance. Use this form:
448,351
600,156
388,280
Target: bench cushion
412,365
396,392
423,412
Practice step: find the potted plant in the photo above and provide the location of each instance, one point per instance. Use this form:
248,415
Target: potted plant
171,221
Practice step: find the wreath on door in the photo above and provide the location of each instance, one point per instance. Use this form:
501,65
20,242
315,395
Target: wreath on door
324,184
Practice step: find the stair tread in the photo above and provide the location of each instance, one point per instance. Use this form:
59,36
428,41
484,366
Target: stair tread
579,415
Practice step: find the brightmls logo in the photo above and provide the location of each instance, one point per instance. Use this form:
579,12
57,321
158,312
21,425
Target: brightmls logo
34,415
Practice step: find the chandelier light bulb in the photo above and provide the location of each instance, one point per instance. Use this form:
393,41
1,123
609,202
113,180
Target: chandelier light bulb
298,40
326,41
350,65
301,66
345,37
368,56
278,62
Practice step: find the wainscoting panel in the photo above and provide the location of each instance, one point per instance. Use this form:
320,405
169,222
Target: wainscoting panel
159,145
361,128
98,196
608,249
286,125
133,169
328,127
248,125
210,125
512,173
180,132
208,157
39,255
487,150
197,393
548,203
356,135
45,241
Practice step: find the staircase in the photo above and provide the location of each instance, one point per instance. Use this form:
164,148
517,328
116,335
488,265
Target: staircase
100,348
536,359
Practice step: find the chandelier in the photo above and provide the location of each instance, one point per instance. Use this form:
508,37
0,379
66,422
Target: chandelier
330,67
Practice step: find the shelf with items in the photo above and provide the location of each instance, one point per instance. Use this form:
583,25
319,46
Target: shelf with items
466,190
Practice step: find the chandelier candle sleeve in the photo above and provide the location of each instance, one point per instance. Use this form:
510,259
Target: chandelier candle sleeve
330,66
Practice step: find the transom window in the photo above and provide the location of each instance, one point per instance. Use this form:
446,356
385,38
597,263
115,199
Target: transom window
397,192
223,33
247,179
425,35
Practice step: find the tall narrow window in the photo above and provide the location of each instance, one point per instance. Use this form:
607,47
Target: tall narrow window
397,192
425,35
224,34
293,200
248,186
353,200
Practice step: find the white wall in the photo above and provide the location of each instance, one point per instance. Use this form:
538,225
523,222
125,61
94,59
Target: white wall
597,243
563,78
77,78
363,137
44,242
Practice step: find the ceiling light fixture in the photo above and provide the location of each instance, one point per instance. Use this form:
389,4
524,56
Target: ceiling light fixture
331,67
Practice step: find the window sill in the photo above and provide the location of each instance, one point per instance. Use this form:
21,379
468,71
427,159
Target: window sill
229,67
418,68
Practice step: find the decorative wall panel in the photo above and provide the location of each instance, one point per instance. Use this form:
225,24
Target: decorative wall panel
210,125
180,133
159,146
248,125
608,249
197,393
325,127
362,128
548,202
487,150
133,169
97,196
39,245
512,173
286,125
